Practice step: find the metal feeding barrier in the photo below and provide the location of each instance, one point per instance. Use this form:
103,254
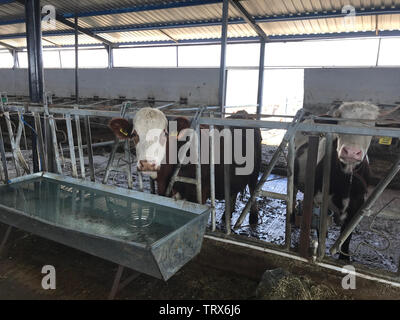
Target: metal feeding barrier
313,130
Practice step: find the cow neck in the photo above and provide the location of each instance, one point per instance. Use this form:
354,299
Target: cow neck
355,173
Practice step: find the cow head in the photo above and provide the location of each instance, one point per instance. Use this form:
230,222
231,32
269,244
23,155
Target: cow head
352,149
149,134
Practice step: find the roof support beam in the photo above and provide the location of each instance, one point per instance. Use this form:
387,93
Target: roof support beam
5,45
249,19
89,33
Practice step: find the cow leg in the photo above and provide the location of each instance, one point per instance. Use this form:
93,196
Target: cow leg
356,201
294,203
253,218
232,200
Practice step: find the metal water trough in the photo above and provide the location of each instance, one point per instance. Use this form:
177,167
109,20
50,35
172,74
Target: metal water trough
144,232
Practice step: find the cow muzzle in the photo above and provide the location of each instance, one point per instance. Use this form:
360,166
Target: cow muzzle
148,166
351,155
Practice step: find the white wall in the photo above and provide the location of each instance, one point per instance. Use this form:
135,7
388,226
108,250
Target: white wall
197,85
323,86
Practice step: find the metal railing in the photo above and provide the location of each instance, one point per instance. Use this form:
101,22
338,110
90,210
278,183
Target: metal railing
312,129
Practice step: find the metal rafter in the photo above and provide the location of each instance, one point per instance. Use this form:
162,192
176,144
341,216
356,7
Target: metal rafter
60,18
89,33
5,45
249,19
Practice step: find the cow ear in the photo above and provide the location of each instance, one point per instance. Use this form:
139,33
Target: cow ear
121,128
182,124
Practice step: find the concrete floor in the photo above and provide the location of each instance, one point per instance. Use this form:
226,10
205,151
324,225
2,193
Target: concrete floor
220,271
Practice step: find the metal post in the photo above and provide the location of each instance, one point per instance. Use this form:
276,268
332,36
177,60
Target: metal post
308,202
110,57
47,136
212,175
76,61
15,59
198,165
34,45
35,62
3,156
325,196
71,145
222,91
260,79
80,147
39,132
290,192
88,134
52,125
222,70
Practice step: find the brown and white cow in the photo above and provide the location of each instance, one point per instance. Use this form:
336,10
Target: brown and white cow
155,157
349,165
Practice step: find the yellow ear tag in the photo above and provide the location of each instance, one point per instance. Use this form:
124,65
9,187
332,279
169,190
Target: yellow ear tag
386,141
123,132
174,134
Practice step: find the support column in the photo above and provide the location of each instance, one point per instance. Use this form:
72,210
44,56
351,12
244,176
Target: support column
222,72
260,79
35,62
76,61
222,91
110,57
34,45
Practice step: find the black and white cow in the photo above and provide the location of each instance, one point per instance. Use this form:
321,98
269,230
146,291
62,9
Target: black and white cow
350,167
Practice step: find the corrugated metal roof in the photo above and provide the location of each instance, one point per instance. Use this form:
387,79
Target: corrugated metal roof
213,32
70,40
20,28
185,14
11,11
197,19
136,36
19,42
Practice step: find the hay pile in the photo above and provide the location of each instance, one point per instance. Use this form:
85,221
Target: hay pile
279,284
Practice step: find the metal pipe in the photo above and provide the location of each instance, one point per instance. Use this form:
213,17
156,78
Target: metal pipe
71,146
212,176
260,79
323,225
222,68
55,146
291,197
306,127
80,147
88,135
3,156
76,60
366,207
198,164
38,128
308,201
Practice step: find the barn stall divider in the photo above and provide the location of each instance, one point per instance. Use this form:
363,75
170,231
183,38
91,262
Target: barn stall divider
309,251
